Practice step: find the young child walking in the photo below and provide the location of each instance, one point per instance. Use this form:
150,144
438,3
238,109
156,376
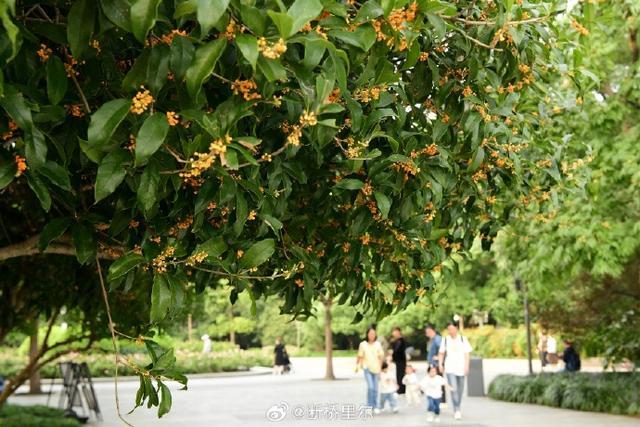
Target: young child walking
410,380
388,387
431,385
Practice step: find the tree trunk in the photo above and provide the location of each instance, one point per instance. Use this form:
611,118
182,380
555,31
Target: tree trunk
328,340
189,327
20,378
34,354
232,331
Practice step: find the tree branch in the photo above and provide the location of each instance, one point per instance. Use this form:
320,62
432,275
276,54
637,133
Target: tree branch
30,247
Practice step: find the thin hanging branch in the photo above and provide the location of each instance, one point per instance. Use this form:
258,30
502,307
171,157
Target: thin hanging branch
113,340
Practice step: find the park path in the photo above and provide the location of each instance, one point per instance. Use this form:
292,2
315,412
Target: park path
245,401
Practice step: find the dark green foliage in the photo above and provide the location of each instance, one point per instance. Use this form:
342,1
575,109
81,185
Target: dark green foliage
34,416
612,392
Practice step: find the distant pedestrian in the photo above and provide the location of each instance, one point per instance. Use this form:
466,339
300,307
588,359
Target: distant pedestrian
369,358
281,357
432,386
542,348
435,339
412,385
552,353
399,356
453,357
206,344
570,357
388,388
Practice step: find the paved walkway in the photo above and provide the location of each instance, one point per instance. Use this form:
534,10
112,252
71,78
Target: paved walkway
246,400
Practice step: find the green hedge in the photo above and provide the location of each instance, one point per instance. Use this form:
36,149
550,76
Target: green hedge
34,416
612,392
189,362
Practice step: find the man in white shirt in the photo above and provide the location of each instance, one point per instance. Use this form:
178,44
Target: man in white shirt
453,356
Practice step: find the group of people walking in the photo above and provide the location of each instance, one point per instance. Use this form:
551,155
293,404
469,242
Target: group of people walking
389,375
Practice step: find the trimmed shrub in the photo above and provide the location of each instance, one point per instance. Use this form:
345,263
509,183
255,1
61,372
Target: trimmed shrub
34,416
612,392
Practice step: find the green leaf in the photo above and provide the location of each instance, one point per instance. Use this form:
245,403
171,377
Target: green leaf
214,247
283,21
111,172
150,137
158,67
13,32
105,121
203,64
35,148
137,75
123,265
258,253
84,242
7,173
209,13
272,69
160,298
438,23
57,174
93,153
182,51
56,80
301,12
253,18
363,37
185,7
384,204
350,184
165,400
477,159
143,17
40,190
242,211
53,230
274,223
16,108
80,25
148,189
118,12
248,46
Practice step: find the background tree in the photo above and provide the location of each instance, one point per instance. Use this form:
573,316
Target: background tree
575,242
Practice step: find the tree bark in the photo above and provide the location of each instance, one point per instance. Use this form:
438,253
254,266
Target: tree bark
232,331
40,360
328,340
63,247
34,378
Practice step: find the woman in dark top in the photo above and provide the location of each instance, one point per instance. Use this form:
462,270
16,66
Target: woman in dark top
399,356
282,359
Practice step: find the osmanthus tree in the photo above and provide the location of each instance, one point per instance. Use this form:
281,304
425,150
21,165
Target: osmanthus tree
297,149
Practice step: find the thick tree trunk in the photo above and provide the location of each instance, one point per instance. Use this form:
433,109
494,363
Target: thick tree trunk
328,340
34,353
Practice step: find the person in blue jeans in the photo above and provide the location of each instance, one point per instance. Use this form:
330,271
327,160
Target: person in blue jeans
435,339
453,357
369,358
432,386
